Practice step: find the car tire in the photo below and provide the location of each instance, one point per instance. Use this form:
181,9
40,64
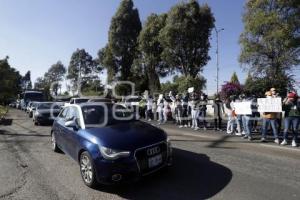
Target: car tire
53,143
87,170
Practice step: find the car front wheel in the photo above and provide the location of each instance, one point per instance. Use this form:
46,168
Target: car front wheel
53,143
87,170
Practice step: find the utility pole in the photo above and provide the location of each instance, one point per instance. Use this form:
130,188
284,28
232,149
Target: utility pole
217,52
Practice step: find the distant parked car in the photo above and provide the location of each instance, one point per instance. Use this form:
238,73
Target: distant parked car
13,104
45,112
76,101
109,144
32,108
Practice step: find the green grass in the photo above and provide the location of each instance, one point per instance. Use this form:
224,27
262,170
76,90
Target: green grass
3,111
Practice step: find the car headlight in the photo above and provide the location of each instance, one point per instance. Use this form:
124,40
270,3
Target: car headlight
111,154
37,113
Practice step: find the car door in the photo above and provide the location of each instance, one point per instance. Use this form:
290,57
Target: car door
71,136
60,129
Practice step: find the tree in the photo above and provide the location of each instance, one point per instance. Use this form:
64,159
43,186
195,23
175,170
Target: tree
185,37
234,79
82,68
40,83
181,84
54,75
271,40
259,85
10,81
122,42
106,59
230,89
150,49
26,81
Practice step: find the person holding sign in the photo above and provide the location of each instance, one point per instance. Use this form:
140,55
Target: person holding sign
270,118
291,106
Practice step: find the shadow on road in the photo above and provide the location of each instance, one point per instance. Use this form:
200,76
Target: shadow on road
22,134
6,122
193,176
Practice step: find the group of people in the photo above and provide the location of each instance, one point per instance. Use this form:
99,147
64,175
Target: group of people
245,124
190,110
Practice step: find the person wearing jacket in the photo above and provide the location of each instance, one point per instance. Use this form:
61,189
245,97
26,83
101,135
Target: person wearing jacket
218,112
185,101
202,110
270,118
291,106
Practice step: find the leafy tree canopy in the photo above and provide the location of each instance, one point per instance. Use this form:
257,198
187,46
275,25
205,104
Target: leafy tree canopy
185,37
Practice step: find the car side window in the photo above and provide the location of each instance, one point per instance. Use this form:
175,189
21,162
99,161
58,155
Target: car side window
72,114
64,113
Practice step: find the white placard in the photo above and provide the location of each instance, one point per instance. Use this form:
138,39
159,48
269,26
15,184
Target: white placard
242,108
269,105
191,89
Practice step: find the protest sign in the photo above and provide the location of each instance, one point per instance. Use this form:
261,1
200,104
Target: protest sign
191,89
269,105
242,108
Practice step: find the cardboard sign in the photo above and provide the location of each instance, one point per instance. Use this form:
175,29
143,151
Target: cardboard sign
191,89
269,105
242,108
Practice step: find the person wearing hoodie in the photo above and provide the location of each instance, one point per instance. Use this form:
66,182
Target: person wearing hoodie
270,118
291,106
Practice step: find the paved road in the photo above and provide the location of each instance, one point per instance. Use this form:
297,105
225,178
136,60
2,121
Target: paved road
206,165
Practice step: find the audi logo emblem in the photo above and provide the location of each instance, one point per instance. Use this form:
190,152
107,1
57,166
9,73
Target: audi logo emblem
153,151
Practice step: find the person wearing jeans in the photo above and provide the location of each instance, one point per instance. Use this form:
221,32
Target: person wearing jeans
291,106
202,110
270,118
246,121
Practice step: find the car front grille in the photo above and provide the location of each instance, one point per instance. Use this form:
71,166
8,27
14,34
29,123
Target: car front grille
144,155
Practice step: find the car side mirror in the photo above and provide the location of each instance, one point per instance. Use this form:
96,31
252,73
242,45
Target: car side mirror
72,124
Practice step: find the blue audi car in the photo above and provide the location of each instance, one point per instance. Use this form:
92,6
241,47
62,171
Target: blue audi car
109,144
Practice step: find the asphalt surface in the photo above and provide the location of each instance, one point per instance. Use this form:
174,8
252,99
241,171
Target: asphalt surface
207,165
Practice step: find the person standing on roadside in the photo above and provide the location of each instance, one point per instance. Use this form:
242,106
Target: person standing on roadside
178,109
269,118
194,104
291,106
279,114
202,110
149,113
185,102
218,112
160,109
247,118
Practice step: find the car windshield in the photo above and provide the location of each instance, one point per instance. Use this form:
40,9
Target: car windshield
105,114
47,106
81,100
101,100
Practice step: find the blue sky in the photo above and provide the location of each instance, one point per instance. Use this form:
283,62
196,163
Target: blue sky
36,34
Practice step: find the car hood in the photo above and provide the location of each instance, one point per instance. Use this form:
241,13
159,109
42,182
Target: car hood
126,135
